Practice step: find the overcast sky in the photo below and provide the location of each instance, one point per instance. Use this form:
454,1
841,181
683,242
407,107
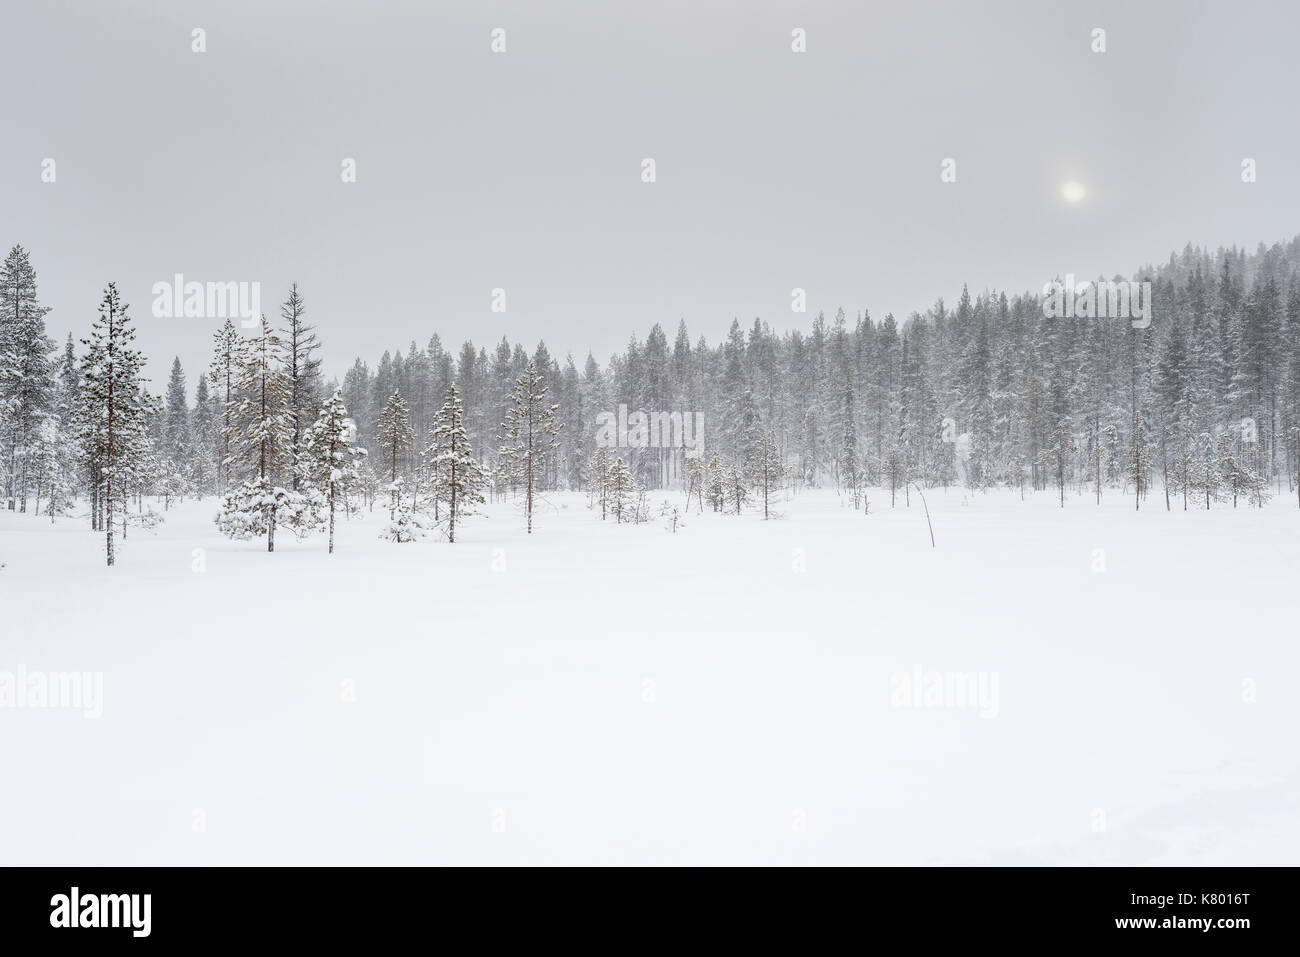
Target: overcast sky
523,170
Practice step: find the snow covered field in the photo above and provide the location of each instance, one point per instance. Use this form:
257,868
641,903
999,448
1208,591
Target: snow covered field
739,692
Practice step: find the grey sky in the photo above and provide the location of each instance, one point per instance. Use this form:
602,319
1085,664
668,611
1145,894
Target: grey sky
522,171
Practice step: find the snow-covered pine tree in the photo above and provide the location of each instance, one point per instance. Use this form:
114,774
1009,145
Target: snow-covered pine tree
331,461
170,482
623,491
59,487
894,471
202,469
849,470
528,436
693,480
715,482
302,369
1056,452
264,447
1238,476
367,483
45,465
672,516
405,524
1206,474
114,411
176,424
1097,453
227,363
1141,460
26,371
1177,474
459,479
766,469
736,482
264,451
394,435
598,477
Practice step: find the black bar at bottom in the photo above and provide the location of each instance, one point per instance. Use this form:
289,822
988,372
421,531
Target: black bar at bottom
376,906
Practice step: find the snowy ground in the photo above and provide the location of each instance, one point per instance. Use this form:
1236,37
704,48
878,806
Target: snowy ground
602,694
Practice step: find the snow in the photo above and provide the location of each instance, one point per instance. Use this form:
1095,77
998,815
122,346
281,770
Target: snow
597,693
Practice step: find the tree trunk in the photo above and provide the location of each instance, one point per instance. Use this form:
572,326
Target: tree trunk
332,493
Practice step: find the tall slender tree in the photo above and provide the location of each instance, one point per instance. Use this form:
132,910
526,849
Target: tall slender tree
302,369
528,436
115,406
26,371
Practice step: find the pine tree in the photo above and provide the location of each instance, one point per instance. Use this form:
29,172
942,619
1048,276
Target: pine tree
302,370
850,474
623,490
26,371
170,482
367,483
528,436
264,451
694,479
405,524
45,465
1180,479
460,480
115,407
331,461
394,436
894,470
1238,475
1141,458
1206,474
736,482
176,427
203,471
767,469
1056,452
715,482
227,362
599,478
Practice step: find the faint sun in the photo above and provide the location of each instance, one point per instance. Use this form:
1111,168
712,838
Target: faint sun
1073,192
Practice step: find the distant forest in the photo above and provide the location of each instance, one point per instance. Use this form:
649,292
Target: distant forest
984,392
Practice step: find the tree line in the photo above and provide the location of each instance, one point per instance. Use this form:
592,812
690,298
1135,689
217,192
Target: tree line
1202,404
